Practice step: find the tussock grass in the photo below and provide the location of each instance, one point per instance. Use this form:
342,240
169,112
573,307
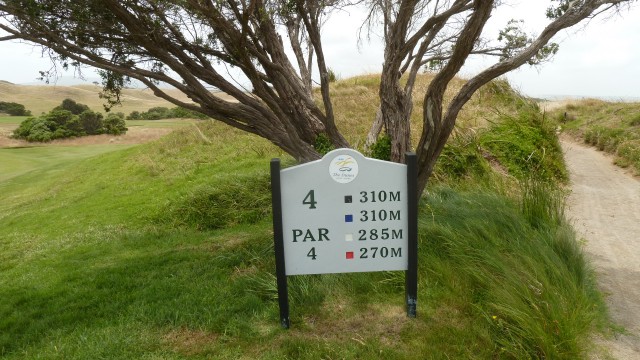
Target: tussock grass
165,251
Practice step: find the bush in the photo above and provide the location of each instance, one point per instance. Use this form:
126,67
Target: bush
114,124
134,115
13,109
59,117
381,149
40,131
72,106
92,122
60,123
322,144
156,113
182,113
159,113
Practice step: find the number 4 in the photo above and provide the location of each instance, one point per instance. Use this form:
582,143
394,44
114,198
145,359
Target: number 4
312,253
310,200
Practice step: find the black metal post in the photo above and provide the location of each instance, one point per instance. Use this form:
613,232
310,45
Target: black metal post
278,243
411,275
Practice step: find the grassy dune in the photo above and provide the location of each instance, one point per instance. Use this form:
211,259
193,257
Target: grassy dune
613,127
164,251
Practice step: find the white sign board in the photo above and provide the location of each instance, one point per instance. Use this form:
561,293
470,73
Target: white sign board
344,213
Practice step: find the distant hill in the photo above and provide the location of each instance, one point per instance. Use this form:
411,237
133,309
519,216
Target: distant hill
42,98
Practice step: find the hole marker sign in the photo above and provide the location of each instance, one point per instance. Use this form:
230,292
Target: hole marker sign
344,213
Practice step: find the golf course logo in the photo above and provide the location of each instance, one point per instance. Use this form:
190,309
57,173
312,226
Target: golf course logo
343,169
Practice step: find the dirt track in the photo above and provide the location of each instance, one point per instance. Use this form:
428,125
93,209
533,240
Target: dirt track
605,208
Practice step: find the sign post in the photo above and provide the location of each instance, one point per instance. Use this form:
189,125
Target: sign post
345,213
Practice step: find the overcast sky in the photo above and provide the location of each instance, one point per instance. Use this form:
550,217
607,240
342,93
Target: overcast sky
601,59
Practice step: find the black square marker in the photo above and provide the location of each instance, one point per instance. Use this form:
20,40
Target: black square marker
348,199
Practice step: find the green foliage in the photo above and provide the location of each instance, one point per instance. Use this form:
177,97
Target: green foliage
92,122
13,109
542,203
159,113
114,124
526,145
134,115
323,144
72,106
381,149
63,122
59,117
40,131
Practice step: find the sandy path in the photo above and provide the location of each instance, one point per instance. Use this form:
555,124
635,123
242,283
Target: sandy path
605,208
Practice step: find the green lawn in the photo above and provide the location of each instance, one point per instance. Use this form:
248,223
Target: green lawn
11,120
49,159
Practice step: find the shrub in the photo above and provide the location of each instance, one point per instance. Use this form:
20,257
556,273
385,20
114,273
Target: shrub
92,122
114,124
58,124
40,131
72,106
182,113
59,117
156,113
14,109
322,144
134,115
74,127
159,113
381,149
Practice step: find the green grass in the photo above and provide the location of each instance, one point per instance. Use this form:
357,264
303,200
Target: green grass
12,120
46,159
165,251
110,259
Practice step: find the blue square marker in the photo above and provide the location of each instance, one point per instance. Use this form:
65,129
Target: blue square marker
348,218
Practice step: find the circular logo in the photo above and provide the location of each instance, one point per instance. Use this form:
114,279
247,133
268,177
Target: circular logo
343,169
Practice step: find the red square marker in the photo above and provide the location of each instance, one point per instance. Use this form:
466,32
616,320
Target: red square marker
349,254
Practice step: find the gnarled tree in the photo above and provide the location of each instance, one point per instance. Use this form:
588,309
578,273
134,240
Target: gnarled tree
189,45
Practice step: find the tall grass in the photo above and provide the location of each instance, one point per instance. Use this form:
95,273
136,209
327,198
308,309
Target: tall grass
523,276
